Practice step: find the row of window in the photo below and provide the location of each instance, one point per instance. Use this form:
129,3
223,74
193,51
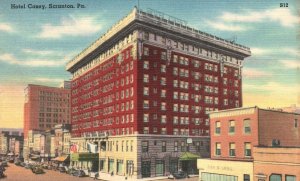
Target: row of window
231,127
232,149
177,146
189,48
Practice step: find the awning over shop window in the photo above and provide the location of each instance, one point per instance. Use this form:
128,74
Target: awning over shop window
84,156
61,158
188,156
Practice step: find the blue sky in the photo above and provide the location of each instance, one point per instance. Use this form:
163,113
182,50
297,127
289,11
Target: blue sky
35,44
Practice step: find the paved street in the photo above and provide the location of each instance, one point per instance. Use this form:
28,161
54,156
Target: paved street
16,173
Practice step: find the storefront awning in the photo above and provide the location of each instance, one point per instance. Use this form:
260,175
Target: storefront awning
84,156
188,156
10,154
61,158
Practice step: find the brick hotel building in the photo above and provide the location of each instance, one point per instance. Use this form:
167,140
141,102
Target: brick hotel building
44,108
144,88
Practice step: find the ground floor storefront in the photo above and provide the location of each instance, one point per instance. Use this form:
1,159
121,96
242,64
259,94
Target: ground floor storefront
85,161
212,170
141,156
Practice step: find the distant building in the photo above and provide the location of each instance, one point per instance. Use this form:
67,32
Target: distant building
242,137
142,91
10,144
293,108
45,107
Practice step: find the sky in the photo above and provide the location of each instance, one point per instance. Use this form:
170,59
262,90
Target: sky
36,44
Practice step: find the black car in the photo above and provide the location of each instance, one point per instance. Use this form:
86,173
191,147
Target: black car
178,175
79,173
62,169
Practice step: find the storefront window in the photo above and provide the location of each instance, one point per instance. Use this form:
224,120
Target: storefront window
119,167
159,167
213,177
129,167
111,165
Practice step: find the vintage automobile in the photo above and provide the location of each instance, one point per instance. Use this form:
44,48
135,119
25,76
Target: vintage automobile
79,173
37,170
178,175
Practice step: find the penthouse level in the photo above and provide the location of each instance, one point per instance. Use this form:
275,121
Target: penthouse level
175,32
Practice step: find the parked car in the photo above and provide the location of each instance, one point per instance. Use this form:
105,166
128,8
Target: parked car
18,163
62,169
71,171
79,173
178,175
37,170
22,164
28,165
4,164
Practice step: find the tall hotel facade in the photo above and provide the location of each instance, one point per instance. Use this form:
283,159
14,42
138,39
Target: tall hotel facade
142,92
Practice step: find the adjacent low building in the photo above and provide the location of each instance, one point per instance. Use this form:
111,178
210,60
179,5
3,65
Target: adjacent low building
262,139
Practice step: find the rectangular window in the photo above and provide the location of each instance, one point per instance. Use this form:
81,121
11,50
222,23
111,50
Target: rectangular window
163,55
175,120
163,93
163,119
275,177
146,65
163,68
296,123
146,104
290,178
146,51
146,130
247,128
163,106
218,149
231,127
218,127
182,146
246,177
247,149
163,81
144,146
146,118
163,130
146,78
175,146
232,149
146,91
164,146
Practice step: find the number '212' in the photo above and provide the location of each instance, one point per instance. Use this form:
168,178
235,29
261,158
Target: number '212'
284,5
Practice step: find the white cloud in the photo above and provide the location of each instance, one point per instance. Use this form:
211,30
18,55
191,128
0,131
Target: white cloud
6,27
39,52
281,15
225,27
272,88
291,64
71,26
292,51
11,59
44,79
254,73
257,51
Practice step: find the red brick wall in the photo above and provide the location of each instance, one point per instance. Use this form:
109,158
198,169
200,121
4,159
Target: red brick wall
278,125
239,137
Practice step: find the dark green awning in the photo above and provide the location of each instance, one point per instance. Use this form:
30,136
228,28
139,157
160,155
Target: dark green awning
84,156
188,156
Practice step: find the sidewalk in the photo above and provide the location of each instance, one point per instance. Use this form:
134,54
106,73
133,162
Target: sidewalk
108,177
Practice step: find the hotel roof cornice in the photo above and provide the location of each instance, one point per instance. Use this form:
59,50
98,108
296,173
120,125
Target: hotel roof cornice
158,19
